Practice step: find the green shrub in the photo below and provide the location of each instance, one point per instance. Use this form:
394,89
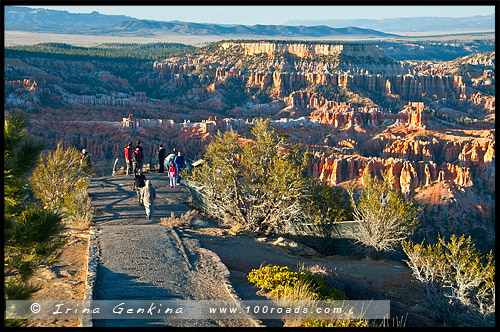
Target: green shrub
56,176
35,235
458,281
385,217
287,285
77,206
338,323
31,233
36,225
17,289
277,278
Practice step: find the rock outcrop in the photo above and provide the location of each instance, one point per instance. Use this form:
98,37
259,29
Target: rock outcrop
337,99
307,50
407,174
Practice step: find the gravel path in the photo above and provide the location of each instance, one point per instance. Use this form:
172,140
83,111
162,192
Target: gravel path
140,259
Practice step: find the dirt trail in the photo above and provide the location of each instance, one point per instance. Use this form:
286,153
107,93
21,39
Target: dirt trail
141,259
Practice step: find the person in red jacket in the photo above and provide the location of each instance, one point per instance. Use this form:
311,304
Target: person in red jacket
128,158
136,159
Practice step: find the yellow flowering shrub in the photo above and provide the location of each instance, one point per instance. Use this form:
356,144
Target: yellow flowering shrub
338,323
277,278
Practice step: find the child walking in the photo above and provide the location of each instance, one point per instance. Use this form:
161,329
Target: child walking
172,173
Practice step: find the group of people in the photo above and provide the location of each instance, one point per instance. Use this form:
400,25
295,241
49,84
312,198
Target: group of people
134,157
146,193
175,165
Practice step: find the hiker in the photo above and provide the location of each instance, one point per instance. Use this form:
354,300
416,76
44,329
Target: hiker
172,173
138,146
136,160
179,163
148,198
84,159
139,183
162,154
128,157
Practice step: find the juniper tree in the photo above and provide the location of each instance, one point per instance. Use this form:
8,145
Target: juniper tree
252,184
384,216
323,208
327,204
218,177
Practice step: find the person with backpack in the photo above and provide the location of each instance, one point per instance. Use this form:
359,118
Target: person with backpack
148,198
162,154
85,161
136,160
141,155
128,158
139,183
179,162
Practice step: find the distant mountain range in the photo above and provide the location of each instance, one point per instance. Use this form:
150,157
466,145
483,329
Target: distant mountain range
57,21
46,20
35,19
410,24
202,29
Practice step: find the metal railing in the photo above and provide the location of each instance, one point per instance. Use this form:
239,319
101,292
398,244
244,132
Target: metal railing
339,229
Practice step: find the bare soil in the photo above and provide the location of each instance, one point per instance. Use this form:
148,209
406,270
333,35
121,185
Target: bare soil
364,278
64,279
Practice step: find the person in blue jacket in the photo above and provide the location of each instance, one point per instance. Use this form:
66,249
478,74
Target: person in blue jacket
179,163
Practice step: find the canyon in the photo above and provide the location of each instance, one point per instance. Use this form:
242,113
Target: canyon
429,125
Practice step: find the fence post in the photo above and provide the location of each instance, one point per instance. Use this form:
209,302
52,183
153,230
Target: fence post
114,166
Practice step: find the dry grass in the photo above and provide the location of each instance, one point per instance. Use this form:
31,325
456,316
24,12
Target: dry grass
185,220
318,270
236,228
300,291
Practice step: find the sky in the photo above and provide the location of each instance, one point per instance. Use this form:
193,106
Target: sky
250,15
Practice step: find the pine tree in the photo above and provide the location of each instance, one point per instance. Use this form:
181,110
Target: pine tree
56,175
30,232
20,157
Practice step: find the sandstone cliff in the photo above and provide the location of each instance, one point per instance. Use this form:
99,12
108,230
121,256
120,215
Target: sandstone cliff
407,174
307,50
